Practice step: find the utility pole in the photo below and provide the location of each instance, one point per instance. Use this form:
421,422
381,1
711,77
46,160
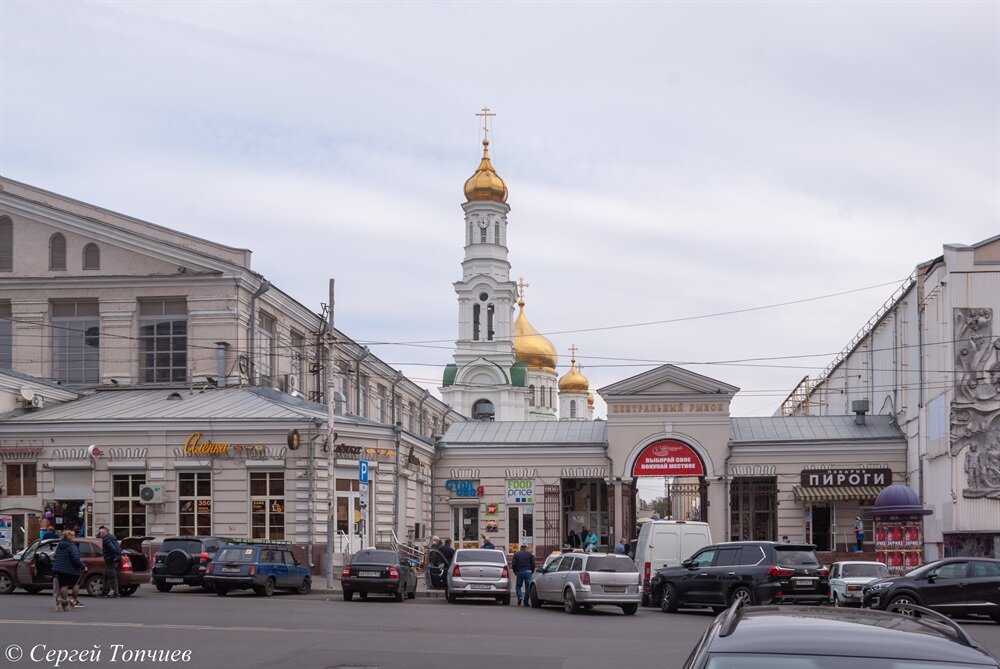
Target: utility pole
331,410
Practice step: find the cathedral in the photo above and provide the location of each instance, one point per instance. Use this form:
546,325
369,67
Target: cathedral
503,369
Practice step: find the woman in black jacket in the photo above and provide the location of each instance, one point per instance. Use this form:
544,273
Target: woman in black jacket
66,568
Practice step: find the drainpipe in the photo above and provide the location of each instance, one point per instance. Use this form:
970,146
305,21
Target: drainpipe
728,494
396,427
311,472
251,363
611,479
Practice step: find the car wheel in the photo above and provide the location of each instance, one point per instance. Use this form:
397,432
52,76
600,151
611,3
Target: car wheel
569,602
164,587
306,586
94,585
533,599
668,599
6,583
348,595
630,609
221,592
645,601
903,605
505,601
742,594
128,590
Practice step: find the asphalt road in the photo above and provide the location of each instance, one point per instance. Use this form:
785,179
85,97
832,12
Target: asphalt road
322,631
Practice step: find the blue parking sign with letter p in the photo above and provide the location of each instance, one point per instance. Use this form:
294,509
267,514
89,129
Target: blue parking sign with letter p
362,471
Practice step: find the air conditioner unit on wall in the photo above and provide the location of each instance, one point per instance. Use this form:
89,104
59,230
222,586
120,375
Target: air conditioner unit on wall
151,494
291,383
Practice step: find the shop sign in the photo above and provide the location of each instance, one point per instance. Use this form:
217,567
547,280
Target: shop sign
520,491
493,526
195,447
491,509
459,488
820,478
345,451
668,457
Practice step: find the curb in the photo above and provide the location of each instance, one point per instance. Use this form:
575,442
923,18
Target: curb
420,594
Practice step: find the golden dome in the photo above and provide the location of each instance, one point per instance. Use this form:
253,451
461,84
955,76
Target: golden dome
590,400
573,381
485,184
531,348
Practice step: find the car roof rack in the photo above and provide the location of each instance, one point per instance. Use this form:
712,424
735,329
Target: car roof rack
732,618
960,633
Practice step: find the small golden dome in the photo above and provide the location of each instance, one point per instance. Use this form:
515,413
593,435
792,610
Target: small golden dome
573,381
531,348
590,400
485,184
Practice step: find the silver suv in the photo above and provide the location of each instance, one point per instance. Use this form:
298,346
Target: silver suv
586,579
479,572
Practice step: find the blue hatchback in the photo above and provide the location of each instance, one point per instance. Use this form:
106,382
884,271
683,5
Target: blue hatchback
265,567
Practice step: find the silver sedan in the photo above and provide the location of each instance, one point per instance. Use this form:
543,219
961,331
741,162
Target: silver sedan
479,572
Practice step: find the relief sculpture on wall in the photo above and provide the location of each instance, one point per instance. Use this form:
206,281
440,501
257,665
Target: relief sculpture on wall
975,412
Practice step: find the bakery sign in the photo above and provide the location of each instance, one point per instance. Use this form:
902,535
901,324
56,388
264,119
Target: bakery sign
847,476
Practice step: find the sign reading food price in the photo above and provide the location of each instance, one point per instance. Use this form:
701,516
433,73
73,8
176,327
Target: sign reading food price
668,457
520,491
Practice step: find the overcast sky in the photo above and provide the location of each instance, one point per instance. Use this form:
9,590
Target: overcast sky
665,161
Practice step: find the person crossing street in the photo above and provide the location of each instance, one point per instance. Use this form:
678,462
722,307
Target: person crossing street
523,565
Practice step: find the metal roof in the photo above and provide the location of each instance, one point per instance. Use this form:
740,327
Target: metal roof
526,433
233,403
813,428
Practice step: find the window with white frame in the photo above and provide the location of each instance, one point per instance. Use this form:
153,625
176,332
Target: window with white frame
22,479
76,340
128,513
163,340
380,405
298,348
465,524
572,408
264,365
267,505
194,503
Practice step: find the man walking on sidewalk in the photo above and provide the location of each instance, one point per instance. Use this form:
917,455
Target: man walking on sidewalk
112,557
523,564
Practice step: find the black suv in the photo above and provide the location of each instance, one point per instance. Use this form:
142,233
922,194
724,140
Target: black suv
956,586
834,638
755,572
184,561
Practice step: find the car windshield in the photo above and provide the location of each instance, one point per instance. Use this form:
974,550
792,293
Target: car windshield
610,564
754,661
375,557
795,556
187,545
481,556
864,571
235,554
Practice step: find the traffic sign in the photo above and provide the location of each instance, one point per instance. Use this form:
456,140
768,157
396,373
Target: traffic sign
363,471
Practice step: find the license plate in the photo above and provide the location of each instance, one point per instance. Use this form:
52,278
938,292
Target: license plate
481,586
230,570
614,588
802,582
174,580
368,574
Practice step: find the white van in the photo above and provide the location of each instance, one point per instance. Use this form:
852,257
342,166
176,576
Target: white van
667,543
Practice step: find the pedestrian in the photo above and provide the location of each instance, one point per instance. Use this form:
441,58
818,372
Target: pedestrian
573,539
859,532
67,567
523,564
590,542
447,552
620,546
487,543
47,531
112,553
435,542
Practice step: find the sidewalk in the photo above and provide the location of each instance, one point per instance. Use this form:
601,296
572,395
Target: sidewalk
319,587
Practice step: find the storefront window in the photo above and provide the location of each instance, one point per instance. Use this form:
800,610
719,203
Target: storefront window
348,506
22,480
267,505
194,501
465,526
753,501
128,513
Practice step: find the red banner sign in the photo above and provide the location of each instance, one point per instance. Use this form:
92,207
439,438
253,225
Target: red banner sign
668,457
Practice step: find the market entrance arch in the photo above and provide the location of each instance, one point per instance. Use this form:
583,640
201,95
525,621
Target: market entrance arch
681,466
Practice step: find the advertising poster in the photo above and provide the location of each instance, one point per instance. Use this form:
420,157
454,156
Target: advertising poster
7,532
899,544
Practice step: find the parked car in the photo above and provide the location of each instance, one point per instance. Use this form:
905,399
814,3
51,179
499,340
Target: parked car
848,579
756,572
827,638
375,571
588,579
265,567
479,572
32,570
958,587
184,561
666,543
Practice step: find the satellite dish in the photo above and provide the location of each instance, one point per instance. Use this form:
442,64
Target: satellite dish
27,394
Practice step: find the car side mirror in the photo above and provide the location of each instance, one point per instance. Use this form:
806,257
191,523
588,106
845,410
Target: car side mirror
688,563
931,578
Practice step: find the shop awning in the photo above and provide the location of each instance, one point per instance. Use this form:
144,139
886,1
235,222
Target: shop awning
836,493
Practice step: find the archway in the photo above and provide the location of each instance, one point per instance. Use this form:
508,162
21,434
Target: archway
683,469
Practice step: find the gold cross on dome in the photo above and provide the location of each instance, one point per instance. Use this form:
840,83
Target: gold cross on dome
521,285
572,351
485,113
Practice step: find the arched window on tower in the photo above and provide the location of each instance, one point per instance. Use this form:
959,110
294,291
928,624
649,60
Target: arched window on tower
550,397
91,256
489,322
482,235
475,322
572,408
6,245
531,395
483,410
472,230
57,252
496,233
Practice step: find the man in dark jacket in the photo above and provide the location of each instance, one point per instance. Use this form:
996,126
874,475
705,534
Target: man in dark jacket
523,564
112,556
446,551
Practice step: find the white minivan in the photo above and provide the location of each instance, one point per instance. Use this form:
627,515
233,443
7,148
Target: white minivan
667,543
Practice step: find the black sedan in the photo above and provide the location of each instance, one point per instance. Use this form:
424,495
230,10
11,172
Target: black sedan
958,587
374,571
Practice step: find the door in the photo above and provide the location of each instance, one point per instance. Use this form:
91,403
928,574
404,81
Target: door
945,587
983,595
351,530
520,527
695,585
821,527
723,574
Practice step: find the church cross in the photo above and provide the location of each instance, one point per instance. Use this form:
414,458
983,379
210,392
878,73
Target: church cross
485,113
521,285
572,351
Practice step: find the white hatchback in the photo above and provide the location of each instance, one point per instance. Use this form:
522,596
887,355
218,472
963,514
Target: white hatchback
848,580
